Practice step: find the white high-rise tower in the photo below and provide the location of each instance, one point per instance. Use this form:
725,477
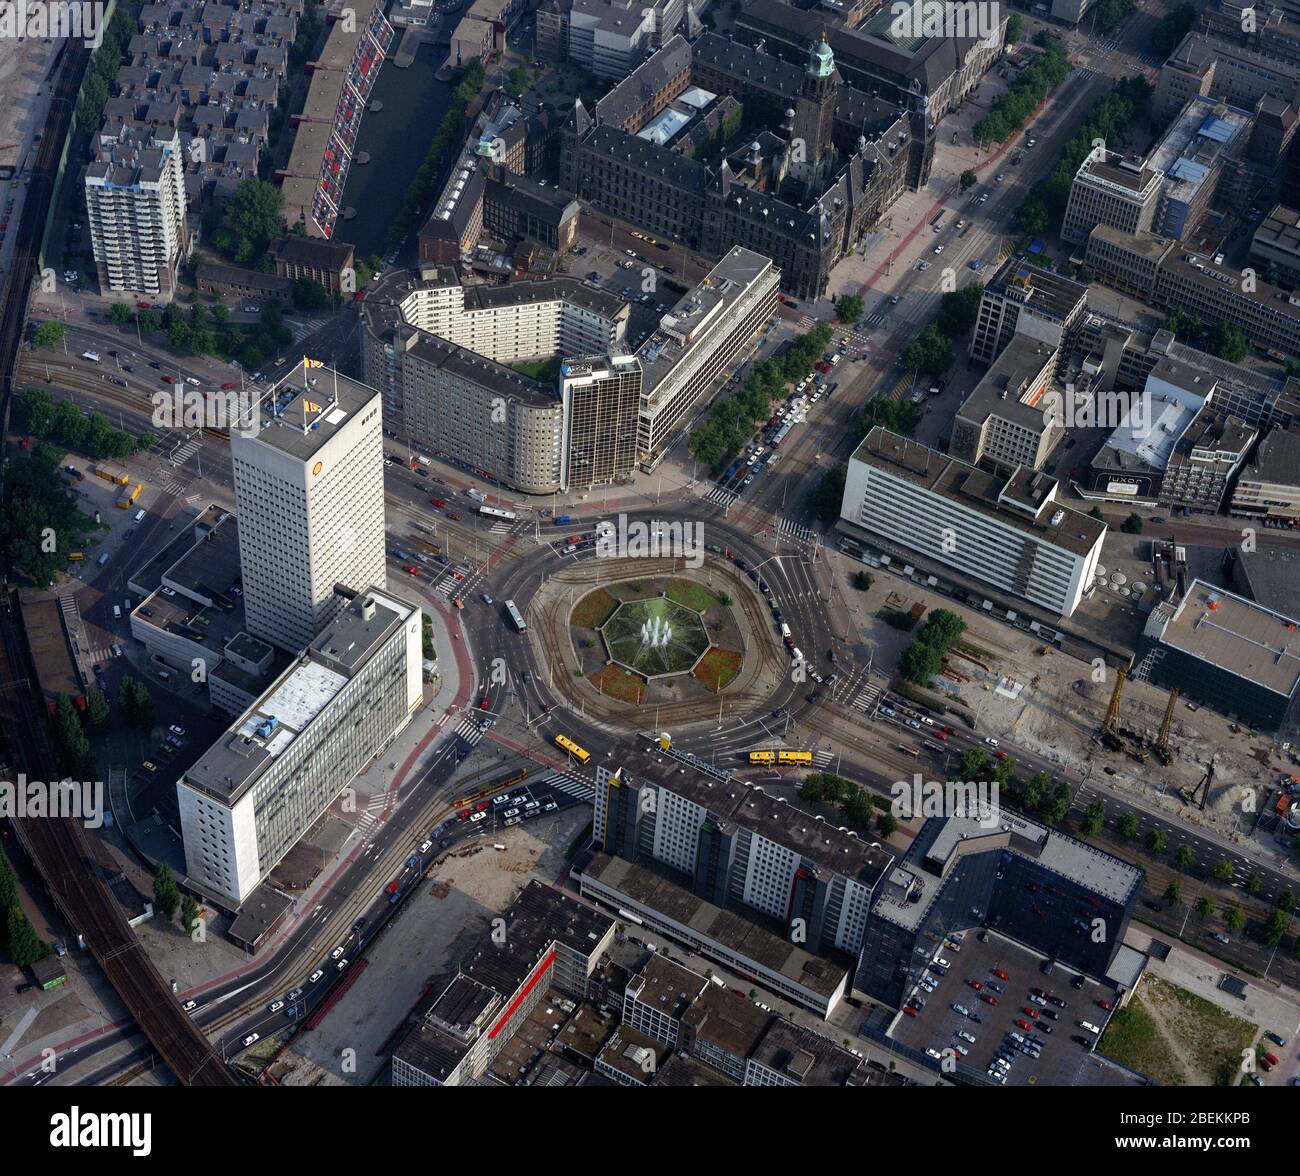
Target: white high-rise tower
309,492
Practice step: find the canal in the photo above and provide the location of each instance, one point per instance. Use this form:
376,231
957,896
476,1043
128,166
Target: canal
396,139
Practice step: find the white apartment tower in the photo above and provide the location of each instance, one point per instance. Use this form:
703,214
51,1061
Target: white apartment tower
135,210
309,493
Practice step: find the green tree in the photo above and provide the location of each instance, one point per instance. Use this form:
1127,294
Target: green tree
958,309
968,179
858,809
1095,513
861,581
74,748
38,409
930,353
516,81
97,712
120,313
1174,893
254,217
1223,870
1253,884
1036,788
8,887
36,504
849,308
1184,855
25,946
1132,525
189,914
1205,906
1094,818
827,499
1227,342
1156,841
148,321
166,894
1015,28
1275,926
1056,809
1126,825
972,764
49,334
1286,901
308,295
1235,918
886,823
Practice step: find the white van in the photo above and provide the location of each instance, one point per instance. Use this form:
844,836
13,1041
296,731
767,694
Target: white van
139,516
1088,1025
785,629
796,654
117,612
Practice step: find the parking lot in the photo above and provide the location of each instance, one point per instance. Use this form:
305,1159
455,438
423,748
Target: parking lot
1012,1011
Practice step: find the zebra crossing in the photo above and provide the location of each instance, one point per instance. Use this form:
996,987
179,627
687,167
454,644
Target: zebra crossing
449,586
822,759
796,530
172,486
867,699
68,607
469,730
304,328
571,784
368,821
875,319
502,527
721,496
185,452
1084,74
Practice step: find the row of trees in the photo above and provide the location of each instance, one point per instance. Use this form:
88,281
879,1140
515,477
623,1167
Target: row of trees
1218,338
1012,108
104,63
731,421
1111,13
1109,118
924,657
16,931
447,136
1172,28
92,435
855,803
931,353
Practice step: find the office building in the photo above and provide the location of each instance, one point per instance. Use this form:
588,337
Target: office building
599,398
553,945
1023,299
1109,189
1204,460
1275,247
1212,65
245,803
135,210
686,356
1158,270
1010,533
1269,485
1267,575
1014,416
1225,651
309,492
963,872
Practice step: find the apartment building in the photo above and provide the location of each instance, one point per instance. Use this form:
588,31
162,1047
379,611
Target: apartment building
309,493
135,210
1269,485
328,263
1205,459
1010,534
263,784
1023,299
1200,156
1014,416
1109,189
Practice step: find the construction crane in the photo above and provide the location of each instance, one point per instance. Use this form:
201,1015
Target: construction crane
1110,724
1162,746
1201,793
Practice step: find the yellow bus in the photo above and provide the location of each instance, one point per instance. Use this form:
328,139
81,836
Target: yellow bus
762,757
565,744
794,757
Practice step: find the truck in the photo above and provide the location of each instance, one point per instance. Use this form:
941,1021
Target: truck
476,495
111,473
424,461
127,500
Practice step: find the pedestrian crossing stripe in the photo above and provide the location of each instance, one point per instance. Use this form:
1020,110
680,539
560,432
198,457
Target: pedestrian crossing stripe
822,758
721,497
469,730
798,531
571,785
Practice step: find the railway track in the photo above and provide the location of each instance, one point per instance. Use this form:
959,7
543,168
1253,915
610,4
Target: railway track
59,850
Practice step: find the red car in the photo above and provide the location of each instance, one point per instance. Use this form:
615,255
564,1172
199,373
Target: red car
411,570
1023,1024
1032,1014
999,755
975,984
168,380
457,575
438,502
485,702
482,804
227,386
455,518
939,735
1000,974
909,1011
1265,1065
1271,1058
1105,1004
988,998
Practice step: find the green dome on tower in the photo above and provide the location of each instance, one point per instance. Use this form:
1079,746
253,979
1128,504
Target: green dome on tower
821,61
